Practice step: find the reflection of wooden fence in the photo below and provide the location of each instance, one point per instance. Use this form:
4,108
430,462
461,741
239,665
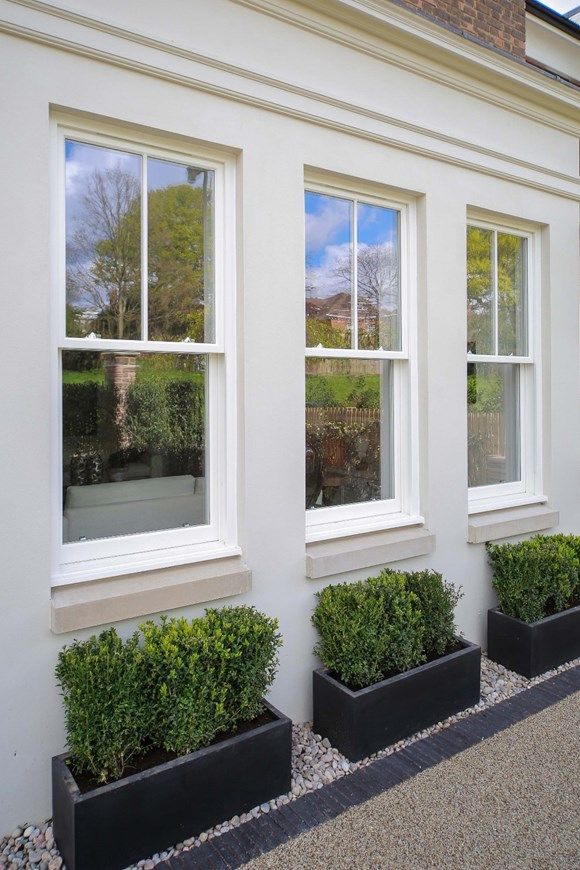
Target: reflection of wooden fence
338,414
335,446
488,425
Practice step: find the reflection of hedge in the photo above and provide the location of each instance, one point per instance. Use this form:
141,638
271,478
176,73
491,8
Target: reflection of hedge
352,447
160,416
80,407
185,415
146,425
484,393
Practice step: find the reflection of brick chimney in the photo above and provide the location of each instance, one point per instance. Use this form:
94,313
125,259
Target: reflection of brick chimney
120,373
497,23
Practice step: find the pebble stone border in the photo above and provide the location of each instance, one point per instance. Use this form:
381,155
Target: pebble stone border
315,763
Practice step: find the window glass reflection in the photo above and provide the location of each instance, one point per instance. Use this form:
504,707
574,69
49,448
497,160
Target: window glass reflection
180,202
480,293
328,271
103,242
348,431
378,283
511,279
134,436
493,423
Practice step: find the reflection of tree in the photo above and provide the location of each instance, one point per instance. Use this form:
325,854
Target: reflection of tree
378,296
104,260
321,330
104,256
176,263
510,278
480,302
378,300
479,290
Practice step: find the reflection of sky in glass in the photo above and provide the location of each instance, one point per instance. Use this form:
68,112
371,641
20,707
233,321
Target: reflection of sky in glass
376,226
82,161
163,173
328,226
328,238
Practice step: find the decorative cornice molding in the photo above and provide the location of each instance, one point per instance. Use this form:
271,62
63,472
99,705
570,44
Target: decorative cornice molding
478,60
568,186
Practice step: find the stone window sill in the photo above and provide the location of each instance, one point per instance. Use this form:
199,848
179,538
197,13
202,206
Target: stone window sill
509,522
325,558
89,604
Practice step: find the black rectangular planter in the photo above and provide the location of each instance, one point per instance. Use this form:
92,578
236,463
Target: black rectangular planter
120,823
536,647
362,722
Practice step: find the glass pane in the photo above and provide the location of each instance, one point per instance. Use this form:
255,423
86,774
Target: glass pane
493,423
133,443
480,301
328,271
349,411
511,279
378,278
180,204
103,242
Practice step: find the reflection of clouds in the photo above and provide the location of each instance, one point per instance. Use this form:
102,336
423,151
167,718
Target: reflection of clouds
367,215
328,276
331,274
82,161
326,218
376,225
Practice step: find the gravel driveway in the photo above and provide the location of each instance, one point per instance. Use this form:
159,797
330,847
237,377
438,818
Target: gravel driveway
509,803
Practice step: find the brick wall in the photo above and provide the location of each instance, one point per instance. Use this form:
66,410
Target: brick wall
499,23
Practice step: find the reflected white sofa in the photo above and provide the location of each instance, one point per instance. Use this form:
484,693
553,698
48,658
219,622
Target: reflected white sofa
104,510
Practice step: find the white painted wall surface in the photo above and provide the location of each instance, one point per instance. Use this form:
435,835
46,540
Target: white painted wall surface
472,152
553,47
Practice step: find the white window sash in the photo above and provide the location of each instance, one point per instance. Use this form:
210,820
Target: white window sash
527,490
79,560
342,520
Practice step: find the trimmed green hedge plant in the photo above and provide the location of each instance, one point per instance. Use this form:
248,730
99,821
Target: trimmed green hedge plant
573,542
101,682
437,600
176,686
385,625
206,676
537,577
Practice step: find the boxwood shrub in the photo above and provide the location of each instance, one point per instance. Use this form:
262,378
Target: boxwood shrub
537,577
105,719
437,600
206,676
174,686
372,629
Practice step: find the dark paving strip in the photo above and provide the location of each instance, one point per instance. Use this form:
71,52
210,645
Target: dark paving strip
238,846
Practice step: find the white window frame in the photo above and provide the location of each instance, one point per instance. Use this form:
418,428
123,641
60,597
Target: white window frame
88,560
527,490
402,510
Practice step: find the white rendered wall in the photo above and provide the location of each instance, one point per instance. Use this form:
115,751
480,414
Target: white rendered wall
273,147
552,47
